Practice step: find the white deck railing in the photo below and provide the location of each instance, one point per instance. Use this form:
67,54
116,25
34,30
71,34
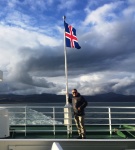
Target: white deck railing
106,117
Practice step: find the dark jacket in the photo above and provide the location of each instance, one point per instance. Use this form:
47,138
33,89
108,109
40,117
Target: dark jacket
78,101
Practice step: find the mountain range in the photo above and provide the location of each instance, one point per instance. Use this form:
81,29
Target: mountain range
53,98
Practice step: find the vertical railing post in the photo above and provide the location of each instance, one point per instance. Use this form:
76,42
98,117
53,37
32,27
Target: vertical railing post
25,119
110,124
68,119
54,120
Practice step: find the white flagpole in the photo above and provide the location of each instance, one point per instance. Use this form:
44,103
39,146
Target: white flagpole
66,71
67,108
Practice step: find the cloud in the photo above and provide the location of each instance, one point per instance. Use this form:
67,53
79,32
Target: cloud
99,15
33,6
24,55
66,4
32,49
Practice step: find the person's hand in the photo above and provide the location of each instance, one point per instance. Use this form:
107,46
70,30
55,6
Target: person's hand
79,108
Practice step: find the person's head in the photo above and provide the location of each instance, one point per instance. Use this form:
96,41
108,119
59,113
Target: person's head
74,92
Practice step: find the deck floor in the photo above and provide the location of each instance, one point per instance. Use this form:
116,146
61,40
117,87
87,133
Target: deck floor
46,132
43,136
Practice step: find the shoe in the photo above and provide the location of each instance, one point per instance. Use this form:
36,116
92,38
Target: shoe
79,137
84,137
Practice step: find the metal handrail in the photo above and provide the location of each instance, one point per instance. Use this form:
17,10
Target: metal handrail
106,116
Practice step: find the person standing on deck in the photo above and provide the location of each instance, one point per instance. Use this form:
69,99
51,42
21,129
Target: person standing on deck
79,103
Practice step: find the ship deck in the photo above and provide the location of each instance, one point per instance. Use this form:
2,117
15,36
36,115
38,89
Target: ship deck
46,132
37,128
44,140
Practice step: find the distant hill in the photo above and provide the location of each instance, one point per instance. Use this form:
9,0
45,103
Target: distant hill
53,98
111,97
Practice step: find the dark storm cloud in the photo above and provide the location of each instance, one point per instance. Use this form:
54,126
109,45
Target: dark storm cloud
99,52
105,63
21,73
46,61
107,50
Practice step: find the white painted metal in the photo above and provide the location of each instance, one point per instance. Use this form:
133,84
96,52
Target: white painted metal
67,115
56,146
110,124
54,119
68,118
75,144
29,147
66,68
68,144
96,119
4,123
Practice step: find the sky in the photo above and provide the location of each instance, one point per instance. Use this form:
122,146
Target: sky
32,46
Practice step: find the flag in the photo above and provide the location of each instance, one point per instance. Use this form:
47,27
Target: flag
70,37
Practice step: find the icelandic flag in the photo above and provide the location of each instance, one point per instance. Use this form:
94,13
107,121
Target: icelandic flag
70,37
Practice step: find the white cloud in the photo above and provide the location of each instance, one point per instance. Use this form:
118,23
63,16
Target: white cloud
32,5
32,51
17,18
14,40
129,12
99,15
124,82
90,78
66,4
